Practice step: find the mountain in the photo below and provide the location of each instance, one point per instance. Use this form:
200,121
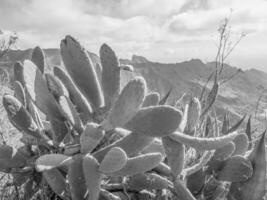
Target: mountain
239,90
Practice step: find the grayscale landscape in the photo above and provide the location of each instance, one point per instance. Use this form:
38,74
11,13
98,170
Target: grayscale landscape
133,100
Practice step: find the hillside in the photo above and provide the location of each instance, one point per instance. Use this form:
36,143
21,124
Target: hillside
238,95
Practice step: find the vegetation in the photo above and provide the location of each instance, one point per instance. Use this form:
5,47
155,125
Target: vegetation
84,137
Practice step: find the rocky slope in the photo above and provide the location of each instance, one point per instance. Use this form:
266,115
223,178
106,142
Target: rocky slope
238,95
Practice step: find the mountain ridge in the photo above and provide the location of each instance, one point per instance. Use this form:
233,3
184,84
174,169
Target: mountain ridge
239,94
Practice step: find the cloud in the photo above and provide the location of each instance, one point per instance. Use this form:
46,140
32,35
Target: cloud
162,30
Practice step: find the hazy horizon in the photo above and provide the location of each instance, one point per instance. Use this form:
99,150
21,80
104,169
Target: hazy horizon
166,31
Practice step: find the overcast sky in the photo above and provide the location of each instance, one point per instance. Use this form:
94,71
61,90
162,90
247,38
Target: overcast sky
161,30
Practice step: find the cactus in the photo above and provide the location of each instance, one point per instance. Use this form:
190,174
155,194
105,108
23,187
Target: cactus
91,137
155,121
76,178
110,74
235,169
20,117
194,111
19,93
51,161
57,182
257,182
55,86
92,176
151,181
182,191
225,151
139,164
93,141
204,143
71,113
151,99
236,125
38,58
241,144
83,107
36,87
225,125
175,155
132,144
18,73
165,98
156,146
80,67
248,128
127,104
196,181
113,161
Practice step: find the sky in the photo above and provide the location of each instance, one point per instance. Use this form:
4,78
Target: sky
166,31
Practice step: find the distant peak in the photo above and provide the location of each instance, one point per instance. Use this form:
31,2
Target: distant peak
139,59
196,61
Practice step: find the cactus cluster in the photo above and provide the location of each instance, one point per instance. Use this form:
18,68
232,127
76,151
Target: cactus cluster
84,137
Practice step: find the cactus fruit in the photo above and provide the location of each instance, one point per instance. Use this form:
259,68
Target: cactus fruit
92,176
127,104
203,143
57,182
148,181
90,137
241,144
257,182
151,99
38,58
139,164
82,106
155,121
50,161
110,74
175,152
80,67
113,161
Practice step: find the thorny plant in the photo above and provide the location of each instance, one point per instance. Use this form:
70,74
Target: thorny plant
84,137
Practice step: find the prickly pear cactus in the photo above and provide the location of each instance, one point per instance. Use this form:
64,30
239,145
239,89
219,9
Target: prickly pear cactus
84,137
